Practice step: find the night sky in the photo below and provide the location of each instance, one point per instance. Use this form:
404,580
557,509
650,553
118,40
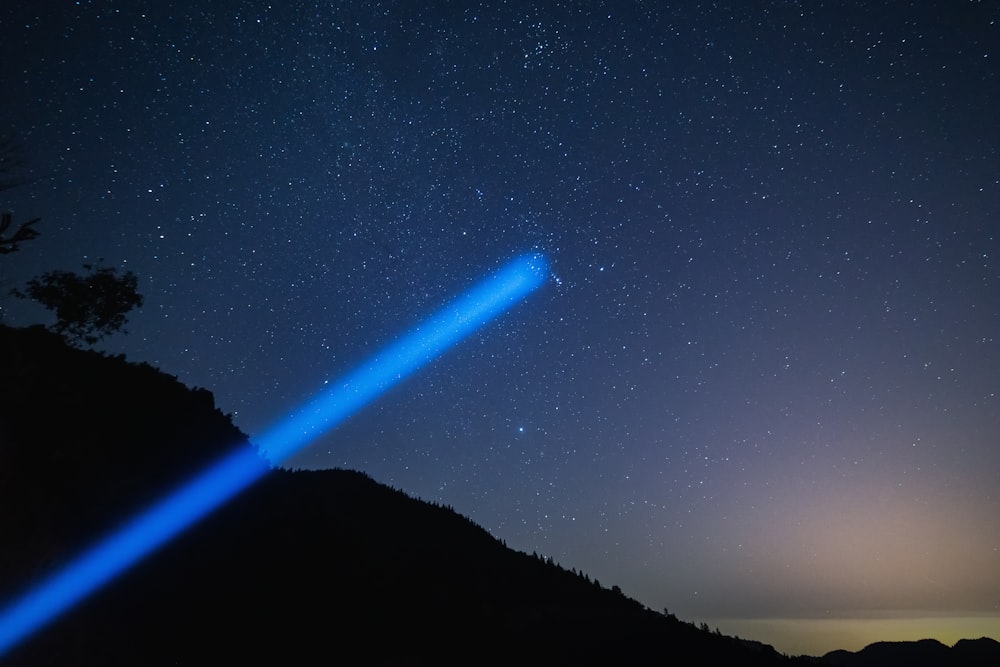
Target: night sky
760,387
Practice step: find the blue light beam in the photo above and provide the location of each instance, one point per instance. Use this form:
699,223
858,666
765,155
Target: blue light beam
426,341
236,471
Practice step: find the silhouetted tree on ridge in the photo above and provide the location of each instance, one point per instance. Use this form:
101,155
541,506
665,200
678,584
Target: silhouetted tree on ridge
88,307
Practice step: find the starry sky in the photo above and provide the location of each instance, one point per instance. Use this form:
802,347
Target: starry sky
760,386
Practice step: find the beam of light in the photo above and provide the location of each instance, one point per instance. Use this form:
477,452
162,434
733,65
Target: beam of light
244,466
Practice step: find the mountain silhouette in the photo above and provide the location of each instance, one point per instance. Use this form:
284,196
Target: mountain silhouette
306,567
982,652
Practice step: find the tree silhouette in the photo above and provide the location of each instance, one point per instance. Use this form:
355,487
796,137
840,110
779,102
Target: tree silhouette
12,165
24,232
87,307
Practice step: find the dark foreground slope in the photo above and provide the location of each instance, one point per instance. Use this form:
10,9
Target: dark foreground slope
304,568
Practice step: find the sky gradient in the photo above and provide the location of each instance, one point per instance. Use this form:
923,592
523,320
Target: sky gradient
759,387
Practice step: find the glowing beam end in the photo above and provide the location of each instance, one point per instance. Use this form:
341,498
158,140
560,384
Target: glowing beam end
480,304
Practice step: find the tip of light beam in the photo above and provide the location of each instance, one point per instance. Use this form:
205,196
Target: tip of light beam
479,304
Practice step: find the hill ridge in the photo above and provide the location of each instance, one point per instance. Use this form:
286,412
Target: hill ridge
304,566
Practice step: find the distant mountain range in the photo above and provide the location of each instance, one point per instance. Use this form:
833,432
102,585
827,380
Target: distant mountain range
982,652
305,567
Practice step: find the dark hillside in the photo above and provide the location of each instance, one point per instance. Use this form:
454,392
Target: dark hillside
304,568
85,439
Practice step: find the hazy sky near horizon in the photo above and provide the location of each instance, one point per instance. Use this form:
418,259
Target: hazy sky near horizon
762,379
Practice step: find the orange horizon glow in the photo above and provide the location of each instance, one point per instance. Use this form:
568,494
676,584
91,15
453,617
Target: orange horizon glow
816,637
